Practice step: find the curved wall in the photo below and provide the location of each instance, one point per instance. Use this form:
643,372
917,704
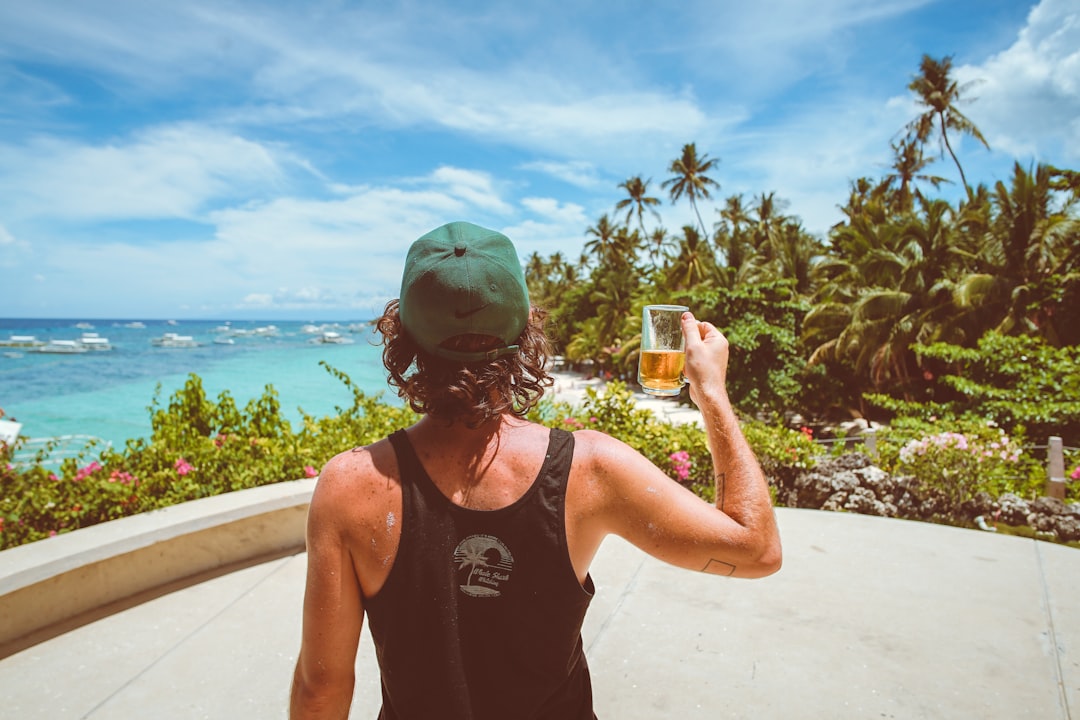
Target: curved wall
49,586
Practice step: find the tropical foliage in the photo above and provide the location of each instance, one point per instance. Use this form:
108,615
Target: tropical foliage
822,325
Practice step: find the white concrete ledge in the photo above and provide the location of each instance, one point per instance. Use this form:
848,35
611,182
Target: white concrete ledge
53,582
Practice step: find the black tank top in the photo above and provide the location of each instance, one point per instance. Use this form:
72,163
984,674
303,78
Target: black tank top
480,616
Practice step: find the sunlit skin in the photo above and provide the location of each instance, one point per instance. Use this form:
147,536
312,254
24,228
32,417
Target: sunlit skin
353,535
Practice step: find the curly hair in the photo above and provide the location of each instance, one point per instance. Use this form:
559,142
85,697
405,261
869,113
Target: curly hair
470,392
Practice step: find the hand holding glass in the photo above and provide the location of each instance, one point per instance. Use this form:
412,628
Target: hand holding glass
663,350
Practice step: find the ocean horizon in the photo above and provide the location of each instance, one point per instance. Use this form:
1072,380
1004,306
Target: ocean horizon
106,393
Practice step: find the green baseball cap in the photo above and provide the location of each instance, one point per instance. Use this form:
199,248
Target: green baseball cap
462,279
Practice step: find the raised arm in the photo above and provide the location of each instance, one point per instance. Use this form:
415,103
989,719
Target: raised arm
742,493
625,494
333,610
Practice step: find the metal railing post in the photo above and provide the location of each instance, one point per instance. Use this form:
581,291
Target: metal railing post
870,438
1055,469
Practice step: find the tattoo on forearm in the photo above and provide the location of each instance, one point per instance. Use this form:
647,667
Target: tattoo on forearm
719,567
721,480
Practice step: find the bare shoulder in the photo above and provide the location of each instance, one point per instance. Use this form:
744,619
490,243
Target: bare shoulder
606,469
357,480
599,453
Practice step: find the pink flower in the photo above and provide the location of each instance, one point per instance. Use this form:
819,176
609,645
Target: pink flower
681,463
52,533
87,471
183,467
310,471
123,477
1075,475
594,419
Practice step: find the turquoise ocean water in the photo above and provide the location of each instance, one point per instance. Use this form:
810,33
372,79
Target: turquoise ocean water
105,394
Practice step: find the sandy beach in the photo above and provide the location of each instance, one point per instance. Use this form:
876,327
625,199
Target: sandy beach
570,388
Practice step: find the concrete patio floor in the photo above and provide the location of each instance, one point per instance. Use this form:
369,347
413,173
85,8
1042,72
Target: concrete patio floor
869,618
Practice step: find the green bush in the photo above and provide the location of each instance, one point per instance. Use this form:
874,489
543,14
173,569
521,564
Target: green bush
682,450
1024,385
198,447
960,458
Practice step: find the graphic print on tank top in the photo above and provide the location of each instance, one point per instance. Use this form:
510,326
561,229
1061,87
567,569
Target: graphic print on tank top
484,565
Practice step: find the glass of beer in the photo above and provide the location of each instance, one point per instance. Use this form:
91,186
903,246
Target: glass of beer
663,350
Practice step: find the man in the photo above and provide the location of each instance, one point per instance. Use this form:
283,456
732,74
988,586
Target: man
467,538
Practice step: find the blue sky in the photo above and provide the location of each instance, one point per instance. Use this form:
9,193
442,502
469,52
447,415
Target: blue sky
272,160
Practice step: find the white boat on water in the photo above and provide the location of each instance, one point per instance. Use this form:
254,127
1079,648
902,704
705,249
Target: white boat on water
84,326
62,347
136,325
93,341
330,337
21,341
173,340
224,340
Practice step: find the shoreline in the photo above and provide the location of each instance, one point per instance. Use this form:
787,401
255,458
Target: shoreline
570,387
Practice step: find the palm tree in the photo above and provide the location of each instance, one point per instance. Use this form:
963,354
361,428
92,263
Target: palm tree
769,217
731,239
860,199
690,179
908,162
602,245
656,241
895,291
694,262
939,94
637,201
796,253
1028,260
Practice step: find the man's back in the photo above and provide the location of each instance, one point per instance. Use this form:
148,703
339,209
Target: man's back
480,616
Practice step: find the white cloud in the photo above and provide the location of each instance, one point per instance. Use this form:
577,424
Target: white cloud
580,173
163,172
257,300
556,227
1028,96
554,210
473,187
6,238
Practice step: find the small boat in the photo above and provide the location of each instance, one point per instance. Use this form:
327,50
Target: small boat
13,355
329,337
21,341
223,340
93,341
266,331
62,347
135,325
84,326
173,340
